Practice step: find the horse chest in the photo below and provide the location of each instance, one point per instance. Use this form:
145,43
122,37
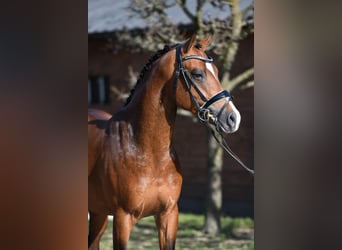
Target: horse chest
141,183
151,195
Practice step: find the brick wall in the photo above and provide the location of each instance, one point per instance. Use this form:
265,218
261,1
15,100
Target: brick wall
190,138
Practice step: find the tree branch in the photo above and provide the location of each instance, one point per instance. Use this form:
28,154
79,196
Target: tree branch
199,17
232,84
182,4
186,113
236,24
246,85
121,95
246,10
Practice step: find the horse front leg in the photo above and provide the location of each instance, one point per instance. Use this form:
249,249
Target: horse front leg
167,224
122,226
97,226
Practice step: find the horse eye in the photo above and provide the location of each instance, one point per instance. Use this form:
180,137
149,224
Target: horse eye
197,74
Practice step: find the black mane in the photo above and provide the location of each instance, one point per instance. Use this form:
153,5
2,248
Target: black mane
148,66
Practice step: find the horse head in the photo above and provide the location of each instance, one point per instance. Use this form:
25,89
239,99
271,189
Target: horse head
199,89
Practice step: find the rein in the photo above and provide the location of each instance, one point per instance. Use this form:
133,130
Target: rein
203,111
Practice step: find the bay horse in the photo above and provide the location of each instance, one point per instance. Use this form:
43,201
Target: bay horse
133,169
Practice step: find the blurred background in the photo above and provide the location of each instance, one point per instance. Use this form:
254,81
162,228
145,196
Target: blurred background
44,68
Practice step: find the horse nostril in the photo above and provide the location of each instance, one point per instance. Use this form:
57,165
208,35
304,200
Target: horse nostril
231,120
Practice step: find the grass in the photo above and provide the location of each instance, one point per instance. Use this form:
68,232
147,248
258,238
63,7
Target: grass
236,234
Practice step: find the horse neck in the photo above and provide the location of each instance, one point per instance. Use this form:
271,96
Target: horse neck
152,113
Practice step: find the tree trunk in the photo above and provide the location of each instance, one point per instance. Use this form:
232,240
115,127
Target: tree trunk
212,224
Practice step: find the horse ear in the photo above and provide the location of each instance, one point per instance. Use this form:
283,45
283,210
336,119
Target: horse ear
205,42
190,43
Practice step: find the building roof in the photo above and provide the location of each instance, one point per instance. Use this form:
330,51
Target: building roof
113,15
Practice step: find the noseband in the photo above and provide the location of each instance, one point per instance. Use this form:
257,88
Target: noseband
204,113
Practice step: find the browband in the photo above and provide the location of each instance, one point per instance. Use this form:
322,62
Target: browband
209,59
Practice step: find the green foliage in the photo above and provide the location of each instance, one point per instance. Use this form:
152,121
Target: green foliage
237,234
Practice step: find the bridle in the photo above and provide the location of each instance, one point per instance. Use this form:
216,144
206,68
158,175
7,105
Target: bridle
203,111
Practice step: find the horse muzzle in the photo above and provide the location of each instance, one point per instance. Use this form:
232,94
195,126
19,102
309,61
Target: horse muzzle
229,121
226,119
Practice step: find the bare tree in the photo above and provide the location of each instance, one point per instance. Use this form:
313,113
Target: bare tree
160,29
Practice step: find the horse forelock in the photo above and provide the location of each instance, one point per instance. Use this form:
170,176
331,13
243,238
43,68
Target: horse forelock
147,68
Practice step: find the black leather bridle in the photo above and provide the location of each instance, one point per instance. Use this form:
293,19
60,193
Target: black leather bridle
204,113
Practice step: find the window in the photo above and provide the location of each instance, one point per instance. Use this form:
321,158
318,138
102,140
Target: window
98,90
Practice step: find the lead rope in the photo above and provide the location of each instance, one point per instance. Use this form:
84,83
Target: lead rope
223,143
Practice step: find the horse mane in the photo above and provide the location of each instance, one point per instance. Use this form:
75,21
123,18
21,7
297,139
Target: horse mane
148,66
